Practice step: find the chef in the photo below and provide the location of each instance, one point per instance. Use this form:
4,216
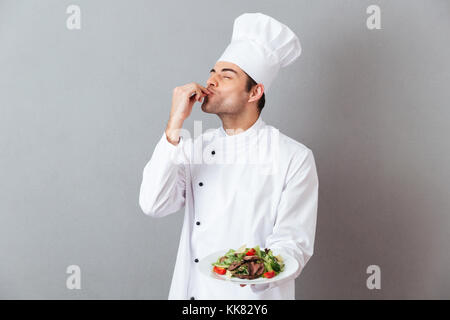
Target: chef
242,183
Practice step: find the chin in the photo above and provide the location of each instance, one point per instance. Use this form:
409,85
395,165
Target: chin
207,108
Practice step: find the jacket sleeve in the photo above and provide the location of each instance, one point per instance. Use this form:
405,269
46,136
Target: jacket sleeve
163,187
295,224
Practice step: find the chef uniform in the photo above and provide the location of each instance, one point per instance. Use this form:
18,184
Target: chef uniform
256,187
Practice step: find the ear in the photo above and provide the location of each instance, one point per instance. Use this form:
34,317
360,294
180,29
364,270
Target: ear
256,92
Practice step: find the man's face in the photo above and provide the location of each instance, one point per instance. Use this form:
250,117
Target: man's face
228,83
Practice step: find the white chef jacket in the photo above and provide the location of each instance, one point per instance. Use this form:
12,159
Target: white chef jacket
231,199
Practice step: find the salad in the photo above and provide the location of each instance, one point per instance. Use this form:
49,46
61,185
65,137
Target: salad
249,263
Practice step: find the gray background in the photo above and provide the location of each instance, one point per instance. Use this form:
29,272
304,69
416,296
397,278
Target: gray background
81,111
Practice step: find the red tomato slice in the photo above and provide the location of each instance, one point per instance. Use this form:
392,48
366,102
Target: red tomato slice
251,252
219,270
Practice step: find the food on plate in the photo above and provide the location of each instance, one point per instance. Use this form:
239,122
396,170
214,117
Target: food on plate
249,263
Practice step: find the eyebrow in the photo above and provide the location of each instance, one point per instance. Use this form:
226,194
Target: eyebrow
224,69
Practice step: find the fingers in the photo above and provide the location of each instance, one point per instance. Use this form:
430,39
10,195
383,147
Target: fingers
197,94
204,91
200,92
196,91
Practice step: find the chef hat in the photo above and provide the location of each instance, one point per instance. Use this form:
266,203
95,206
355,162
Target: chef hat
261,45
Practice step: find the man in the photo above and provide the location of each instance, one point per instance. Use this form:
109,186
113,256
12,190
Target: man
243,183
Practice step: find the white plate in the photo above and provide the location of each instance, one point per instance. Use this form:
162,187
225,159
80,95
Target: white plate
206,269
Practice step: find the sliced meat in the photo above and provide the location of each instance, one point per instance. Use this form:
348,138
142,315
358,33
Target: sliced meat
222,259
251,258
235,265
255,269
260,270
252,268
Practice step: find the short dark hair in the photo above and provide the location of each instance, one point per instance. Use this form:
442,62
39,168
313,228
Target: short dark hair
250,84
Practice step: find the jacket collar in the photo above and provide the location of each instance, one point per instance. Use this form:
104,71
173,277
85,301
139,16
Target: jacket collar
239,142
259,123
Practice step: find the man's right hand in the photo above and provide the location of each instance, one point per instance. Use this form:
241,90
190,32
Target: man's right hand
183,99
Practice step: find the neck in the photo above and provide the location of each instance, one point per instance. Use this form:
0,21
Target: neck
237,123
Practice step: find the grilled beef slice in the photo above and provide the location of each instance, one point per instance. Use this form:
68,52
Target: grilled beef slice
255,270
235,265
251,258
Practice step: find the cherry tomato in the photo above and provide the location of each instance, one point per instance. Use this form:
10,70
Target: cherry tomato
219,270
251,252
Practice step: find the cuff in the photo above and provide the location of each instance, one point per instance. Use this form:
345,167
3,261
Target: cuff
165,141
175,152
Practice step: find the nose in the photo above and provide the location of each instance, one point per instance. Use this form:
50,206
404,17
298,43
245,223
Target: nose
212,82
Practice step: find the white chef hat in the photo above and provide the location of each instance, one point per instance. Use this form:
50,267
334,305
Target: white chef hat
261,45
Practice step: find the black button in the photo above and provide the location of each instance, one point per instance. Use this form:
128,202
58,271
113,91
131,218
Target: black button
198,223
200,184
196,260
192,298
213,152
